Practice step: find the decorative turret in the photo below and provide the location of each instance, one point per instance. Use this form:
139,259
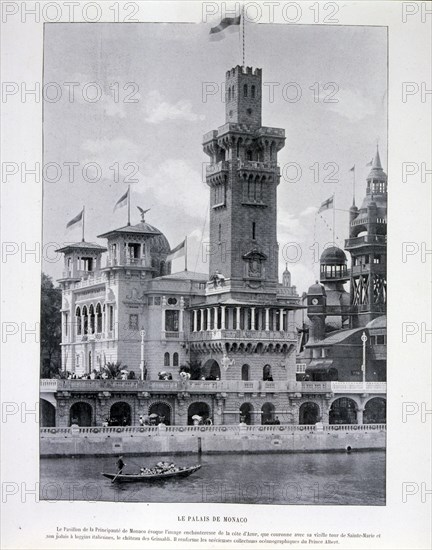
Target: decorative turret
286,277
333,265
139,246
367,246
243,96
81,259
316,310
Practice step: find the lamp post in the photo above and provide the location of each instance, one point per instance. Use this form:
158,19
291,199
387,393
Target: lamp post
143,333
364,340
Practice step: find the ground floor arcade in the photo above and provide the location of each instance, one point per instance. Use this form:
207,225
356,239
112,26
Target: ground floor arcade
182,409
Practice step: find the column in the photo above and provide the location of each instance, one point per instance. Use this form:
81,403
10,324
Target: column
267,318
202,320
181,317
360,415
195,320
208,319
215,319
252,318
281,316
238,317
163,319
223,318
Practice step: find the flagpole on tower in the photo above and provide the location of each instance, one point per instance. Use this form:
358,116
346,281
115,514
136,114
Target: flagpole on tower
186,253
243,36
83,217
128,205
334,219
354,185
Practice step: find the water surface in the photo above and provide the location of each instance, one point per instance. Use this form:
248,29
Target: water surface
321,479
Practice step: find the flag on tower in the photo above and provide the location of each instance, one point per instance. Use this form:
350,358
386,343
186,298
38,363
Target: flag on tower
179,250
123,200
326,205
75,220
370,163
352,169
216,33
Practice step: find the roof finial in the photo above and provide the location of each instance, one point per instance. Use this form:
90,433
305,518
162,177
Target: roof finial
143,213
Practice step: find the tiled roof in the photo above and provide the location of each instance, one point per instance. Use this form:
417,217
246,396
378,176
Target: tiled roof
82,245
141,228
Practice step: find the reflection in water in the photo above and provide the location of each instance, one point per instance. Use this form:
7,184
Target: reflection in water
330,478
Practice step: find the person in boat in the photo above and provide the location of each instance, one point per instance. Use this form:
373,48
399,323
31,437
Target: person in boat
120,464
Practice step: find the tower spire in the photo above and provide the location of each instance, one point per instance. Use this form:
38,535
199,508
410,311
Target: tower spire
377,161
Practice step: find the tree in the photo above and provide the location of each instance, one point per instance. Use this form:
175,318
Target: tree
112,369
50,328
193,367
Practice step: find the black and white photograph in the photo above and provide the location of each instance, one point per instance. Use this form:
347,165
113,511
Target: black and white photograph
215,274
219,309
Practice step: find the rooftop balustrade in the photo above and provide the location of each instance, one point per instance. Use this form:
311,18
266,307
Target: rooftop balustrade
210,386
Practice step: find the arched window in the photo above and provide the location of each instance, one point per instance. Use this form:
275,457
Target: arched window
245,90
253,230
232,91
267,373
78,320
85,320
253,92
229,93
166,359
175,359
92,319
245,372
98,318
249,155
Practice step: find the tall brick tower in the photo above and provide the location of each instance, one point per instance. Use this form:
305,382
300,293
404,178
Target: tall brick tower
243,176
367,245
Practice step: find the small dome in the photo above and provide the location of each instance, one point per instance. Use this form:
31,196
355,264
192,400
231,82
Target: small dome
333,256
316,290
159,244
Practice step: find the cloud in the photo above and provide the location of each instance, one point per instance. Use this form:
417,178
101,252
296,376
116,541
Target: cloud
308,211
176,186
158,110
351,105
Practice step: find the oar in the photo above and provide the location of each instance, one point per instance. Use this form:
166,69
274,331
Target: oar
116,476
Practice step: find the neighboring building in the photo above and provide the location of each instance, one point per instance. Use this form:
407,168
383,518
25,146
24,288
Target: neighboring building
347,332
237,322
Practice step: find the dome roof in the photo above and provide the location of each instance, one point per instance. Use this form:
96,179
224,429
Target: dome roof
159,244
377,171
333,255
379,322
317,289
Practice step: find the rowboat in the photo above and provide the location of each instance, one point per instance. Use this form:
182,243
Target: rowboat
127,478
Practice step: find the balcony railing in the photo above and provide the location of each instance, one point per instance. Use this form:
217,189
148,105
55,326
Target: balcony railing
191,430
366,239
257,165
211,386
265,335
222,166
343,387
268,131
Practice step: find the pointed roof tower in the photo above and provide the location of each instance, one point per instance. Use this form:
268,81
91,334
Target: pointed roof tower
377,173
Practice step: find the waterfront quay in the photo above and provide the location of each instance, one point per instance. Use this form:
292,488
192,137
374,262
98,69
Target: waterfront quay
162,439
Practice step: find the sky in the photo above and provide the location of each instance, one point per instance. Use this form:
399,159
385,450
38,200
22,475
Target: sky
152,112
